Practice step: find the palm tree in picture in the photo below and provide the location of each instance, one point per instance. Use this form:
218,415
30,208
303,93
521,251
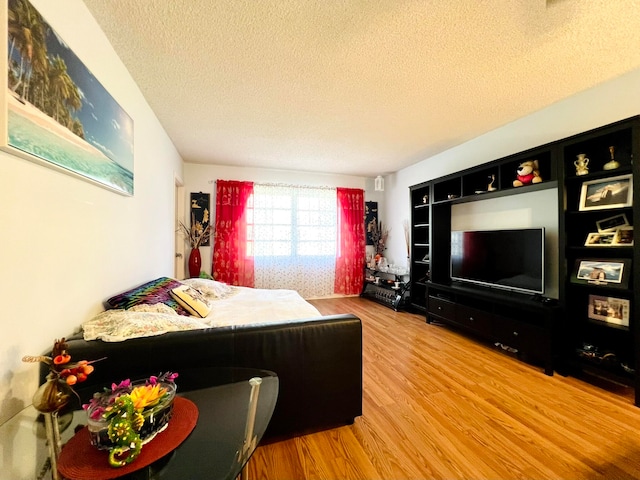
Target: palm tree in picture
27,34
62,90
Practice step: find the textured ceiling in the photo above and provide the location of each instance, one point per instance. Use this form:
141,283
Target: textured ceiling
360,87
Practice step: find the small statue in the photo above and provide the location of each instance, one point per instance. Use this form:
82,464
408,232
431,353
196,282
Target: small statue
490,187
582,164
611,164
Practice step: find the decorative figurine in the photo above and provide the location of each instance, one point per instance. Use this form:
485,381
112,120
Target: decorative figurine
611,164
490,187
582,164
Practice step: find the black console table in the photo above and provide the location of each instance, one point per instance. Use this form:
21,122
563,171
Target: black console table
386,287
519,323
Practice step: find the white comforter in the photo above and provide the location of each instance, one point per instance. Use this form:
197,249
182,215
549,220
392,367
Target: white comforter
255,306
230,306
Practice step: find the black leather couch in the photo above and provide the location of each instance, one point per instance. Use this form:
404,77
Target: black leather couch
318,362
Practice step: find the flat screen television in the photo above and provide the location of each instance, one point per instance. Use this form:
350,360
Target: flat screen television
505,259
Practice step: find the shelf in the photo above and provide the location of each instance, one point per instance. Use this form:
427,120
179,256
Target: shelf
500,193
603,324
622,340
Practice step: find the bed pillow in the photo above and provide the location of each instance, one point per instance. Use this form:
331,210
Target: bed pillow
191,300
155,291
211,288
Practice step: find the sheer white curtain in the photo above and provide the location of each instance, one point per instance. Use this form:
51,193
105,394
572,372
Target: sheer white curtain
294,234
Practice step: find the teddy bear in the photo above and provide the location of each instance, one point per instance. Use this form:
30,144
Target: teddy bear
527,173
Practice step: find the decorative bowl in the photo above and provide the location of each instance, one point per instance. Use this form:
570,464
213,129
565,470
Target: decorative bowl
156,417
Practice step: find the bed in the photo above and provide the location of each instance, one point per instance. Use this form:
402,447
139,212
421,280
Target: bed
146,330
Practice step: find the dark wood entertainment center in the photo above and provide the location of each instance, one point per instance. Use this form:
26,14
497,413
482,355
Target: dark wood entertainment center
563,334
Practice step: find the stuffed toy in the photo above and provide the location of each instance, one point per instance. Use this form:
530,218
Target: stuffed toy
527,173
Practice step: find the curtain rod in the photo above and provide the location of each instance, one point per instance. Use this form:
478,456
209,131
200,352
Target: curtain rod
270,184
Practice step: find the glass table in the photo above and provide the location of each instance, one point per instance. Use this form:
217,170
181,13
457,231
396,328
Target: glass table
232,418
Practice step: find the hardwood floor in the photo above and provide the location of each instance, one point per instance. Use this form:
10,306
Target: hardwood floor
437,404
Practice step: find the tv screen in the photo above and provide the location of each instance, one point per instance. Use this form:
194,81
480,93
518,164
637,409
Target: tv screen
506,259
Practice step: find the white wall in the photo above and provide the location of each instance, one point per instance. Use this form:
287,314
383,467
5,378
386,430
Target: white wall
201,178
606,103
67,244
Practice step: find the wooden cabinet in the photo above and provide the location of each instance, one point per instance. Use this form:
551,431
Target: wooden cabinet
515,322
597,217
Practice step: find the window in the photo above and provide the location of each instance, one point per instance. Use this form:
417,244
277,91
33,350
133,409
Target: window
290,221
292,232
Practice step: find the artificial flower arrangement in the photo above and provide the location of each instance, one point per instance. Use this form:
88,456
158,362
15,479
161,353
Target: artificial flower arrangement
63,374
197,234
122,419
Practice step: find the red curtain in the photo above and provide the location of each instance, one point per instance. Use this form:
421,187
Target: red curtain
232,263
351,242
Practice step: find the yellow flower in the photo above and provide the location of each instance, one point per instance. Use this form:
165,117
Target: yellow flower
147,396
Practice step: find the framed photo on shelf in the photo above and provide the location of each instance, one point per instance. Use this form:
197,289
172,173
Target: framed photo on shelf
624,236
609,309
610,272
612,192
612,223
597,239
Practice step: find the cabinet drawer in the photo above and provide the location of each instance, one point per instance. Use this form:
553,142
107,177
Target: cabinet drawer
442,308
519,335
477,320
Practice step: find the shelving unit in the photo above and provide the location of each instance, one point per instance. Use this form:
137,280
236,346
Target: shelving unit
582,333
598,341
380,286
420,244
515,321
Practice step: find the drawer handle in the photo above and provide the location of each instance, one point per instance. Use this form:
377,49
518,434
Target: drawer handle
439,307
471,319
515,334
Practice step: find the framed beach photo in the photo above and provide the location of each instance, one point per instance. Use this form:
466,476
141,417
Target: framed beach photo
610,272
612,192
609,309
54,112
597,239
612,223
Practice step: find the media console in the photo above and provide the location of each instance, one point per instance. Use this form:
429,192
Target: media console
521,323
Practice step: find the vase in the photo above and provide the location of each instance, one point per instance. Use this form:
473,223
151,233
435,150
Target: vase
52,395
195,262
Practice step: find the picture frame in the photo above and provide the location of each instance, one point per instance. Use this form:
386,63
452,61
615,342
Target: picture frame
609,309
606,193
624,236
600,239
200,212
80,129
602,272
612,223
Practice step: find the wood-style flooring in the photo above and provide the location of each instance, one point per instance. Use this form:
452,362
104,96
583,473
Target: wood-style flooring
438,404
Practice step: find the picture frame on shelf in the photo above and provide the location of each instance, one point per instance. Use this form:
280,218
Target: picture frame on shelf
611,224
606,193
600,239
602,272
624,236
609,309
